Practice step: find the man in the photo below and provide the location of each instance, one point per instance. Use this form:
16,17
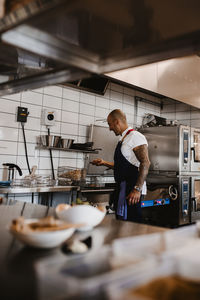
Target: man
131,165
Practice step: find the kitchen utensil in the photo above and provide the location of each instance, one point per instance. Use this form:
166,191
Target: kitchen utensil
33,170
76,175
54,140
66,143
11,168
43,239
50,140
83,214
82,146
5,183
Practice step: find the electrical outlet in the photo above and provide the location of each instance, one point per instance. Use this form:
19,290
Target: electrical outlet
48,117
22,113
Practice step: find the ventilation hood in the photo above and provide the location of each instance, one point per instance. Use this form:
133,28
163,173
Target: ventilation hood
53,41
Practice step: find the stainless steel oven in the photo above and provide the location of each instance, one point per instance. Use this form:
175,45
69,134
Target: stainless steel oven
195,150
169,148
174,153
195,198
167,202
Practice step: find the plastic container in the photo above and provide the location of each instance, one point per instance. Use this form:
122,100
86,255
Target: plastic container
76,175
38,180
64,181
185,266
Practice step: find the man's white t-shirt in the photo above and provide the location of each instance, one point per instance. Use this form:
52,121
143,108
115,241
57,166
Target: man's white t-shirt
132,140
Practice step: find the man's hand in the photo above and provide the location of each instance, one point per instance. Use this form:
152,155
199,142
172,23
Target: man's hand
98,162
133,197
101,162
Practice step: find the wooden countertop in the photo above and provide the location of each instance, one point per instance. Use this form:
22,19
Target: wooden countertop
17,263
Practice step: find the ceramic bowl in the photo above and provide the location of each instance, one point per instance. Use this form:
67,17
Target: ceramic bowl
87,215
43,239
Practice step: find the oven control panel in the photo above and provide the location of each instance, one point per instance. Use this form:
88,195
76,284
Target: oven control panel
185,198
156,202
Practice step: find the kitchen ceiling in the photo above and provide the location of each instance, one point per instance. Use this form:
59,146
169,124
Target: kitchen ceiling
77,38
177,78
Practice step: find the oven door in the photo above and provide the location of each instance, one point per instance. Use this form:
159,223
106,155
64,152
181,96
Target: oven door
195,199
195,150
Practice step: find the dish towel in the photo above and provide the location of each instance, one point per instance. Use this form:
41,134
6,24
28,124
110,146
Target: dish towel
122,204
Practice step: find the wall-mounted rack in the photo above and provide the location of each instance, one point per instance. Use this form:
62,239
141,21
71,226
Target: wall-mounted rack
66,149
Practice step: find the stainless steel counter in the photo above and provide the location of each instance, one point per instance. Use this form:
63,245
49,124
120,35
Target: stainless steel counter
38,189
97,190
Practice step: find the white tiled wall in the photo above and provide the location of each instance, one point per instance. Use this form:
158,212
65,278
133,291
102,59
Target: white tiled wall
182,113
75,111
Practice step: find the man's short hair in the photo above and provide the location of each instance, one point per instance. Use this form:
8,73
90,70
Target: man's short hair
117,114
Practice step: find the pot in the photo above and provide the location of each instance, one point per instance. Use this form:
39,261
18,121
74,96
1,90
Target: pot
66,143
50,140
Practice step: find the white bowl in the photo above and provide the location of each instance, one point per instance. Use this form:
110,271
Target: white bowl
87,215
43,239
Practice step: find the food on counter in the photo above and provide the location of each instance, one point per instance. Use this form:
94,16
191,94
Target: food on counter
45,224
77,247
101,208
62,206
73,175
167,288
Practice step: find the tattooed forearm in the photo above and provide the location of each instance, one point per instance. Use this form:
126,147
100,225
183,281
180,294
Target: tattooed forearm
141,152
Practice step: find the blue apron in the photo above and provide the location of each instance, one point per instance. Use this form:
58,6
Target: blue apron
125,175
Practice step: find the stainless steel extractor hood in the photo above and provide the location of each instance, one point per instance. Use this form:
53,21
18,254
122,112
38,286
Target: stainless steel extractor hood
81,37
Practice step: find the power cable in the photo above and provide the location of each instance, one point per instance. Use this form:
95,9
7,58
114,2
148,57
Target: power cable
25,147
52,167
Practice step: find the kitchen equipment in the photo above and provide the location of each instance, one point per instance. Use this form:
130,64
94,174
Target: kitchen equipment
195,150
175,164
76,175
11,169
5,183
83,146
107,141
80,214
43,239
195,198
50,140
66,143
64,181
38,180
169,148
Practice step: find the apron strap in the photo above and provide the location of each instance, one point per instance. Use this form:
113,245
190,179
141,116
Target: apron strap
126,134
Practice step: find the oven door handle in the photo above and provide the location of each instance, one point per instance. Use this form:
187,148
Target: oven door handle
194,204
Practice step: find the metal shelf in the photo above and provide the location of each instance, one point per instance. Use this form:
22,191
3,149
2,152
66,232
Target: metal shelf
69,150
37,189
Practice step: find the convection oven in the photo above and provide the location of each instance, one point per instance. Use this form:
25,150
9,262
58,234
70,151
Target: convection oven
195,198
174,153
195,150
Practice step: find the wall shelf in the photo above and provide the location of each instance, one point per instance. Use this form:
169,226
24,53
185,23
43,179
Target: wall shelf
69,150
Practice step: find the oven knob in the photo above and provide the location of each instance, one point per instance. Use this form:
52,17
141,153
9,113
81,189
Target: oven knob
185,212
